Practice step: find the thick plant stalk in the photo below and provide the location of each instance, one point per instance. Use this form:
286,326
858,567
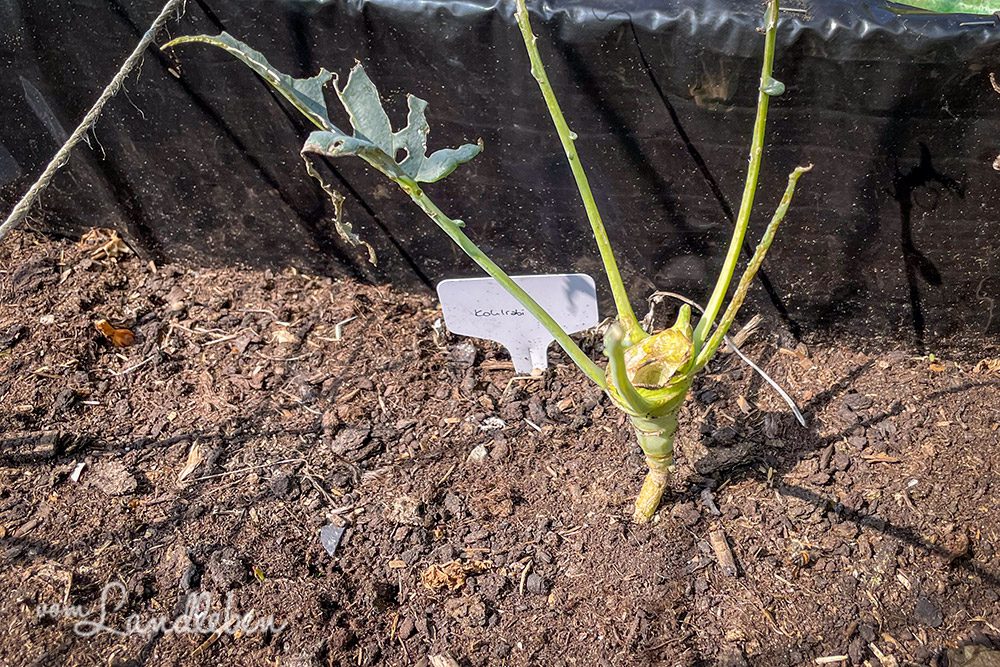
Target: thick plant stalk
768,87
656,438
654,423
626,315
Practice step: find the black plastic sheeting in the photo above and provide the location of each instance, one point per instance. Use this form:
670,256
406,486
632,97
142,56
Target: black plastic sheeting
896,232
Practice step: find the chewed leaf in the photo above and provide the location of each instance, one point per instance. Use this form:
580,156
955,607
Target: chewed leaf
373,139
306,95
413,137
653,362
360,99
370,121
338,144
344,228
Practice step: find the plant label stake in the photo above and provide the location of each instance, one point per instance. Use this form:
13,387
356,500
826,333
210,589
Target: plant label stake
482,308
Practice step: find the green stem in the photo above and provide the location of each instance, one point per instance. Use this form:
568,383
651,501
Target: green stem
566,136
453,230
749,188
753,266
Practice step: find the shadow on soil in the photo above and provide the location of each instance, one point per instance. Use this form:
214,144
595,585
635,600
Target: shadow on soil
753,460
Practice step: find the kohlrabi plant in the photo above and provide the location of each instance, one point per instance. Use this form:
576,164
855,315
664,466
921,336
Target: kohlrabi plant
649,373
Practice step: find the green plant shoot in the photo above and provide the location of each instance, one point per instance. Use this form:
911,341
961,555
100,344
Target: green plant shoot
648,374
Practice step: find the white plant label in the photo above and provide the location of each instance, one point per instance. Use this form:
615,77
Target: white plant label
481,308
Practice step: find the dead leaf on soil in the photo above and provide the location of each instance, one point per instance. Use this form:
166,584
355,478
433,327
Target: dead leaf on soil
987,366
103,244
194,458
452,575
118,337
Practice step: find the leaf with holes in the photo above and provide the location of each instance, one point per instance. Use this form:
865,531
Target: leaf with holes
375,142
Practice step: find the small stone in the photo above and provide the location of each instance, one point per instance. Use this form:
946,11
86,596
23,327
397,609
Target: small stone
536,411
10,335
283,487
468,610
686,513
462,355
732,656
856,650
114,479
478,454
500,449
225,569
453,505
176,570
927,613
973,656
825,456
536,585
856,402
406,628
407,510
708,500
350,438
330,536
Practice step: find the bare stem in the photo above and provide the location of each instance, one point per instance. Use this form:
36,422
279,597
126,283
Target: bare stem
767,83
740,294
566,136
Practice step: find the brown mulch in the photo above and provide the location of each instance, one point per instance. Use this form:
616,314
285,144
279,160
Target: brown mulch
256,407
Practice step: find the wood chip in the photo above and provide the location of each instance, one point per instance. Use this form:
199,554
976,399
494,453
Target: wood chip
880,458
720,545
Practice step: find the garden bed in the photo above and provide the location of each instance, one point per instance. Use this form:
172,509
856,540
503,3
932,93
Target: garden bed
873,531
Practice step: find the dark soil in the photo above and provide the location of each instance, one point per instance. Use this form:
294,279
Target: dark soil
871,534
